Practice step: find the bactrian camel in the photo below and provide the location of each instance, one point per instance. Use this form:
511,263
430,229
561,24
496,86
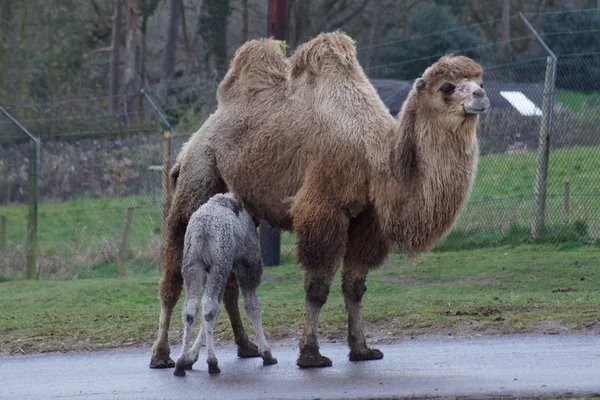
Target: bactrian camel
309,146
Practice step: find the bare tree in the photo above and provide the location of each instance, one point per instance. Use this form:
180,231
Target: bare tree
147,9
167,72
115,56
214,32
192,50
131,48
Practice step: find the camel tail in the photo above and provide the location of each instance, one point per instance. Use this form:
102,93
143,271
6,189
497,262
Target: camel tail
258,65
174,175
334,49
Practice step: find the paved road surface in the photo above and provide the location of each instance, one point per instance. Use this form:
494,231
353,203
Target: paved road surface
473,367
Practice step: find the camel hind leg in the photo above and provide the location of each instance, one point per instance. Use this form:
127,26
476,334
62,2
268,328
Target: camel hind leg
194,188
366,250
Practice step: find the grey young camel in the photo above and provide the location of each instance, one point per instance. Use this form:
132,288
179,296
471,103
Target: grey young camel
220,239
309,146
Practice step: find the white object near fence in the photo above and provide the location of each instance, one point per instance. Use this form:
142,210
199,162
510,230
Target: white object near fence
521,103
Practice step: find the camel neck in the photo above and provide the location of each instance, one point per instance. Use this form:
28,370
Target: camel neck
432,167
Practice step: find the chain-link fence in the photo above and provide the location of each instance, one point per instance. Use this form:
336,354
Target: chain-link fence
100,171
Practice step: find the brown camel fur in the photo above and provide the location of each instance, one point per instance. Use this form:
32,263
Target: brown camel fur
309,146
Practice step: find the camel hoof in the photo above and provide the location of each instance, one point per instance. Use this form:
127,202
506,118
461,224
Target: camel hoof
269,361
183,365
249,350
213,367
179,371
365,355
159,364
313,361
268,358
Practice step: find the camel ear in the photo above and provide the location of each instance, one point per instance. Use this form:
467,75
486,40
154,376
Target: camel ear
420,85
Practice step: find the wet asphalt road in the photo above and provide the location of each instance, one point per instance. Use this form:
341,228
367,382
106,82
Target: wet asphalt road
473,367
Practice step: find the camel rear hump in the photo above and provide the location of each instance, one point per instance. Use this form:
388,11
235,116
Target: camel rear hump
258,65
333,50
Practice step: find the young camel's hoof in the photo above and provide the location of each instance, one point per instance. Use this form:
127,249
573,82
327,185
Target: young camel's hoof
179,370
365,355
248,350
268,358
164,363
314,360
213,366
181,366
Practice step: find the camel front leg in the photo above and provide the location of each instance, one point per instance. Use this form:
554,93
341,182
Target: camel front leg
353,288
321,244
366,250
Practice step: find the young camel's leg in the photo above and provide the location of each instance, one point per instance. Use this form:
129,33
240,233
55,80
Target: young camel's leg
249,276
193,276
322,231
211,300
366,250
194,188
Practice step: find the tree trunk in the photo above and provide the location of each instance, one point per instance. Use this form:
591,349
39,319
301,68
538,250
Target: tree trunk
505,25
130,55
148,7
115,57
245,21
192,54
214,28
167,72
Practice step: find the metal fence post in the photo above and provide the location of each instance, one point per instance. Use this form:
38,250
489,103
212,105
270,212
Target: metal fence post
165,123
32,222
33,185
2,234
538,220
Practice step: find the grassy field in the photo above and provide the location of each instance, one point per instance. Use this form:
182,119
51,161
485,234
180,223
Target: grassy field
577,102
528,288
77,238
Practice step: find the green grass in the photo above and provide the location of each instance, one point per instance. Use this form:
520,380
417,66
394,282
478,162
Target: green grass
502,290
502,196
77,237
577,102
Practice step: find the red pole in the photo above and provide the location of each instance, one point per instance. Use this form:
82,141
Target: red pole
277,19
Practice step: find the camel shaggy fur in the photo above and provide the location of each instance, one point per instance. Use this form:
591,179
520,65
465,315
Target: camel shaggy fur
308,145
220,239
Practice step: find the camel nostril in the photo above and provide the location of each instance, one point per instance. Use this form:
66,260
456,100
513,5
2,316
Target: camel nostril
479,93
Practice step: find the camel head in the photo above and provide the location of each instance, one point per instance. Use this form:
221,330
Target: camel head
454,85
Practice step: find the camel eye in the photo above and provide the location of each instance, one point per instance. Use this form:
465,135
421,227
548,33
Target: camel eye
447,88
481,86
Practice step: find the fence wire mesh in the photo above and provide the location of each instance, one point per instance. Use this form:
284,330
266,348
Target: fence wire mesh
100,167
